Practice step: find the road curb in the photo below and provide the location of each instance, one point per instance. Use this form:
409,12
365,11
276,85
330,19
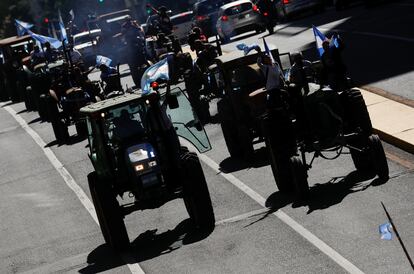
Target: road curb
393,140
391,117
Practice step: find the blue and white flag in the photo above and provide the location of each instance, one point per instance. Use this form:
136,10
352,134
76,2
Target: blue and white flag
268,52
102,60
22,27
320,38
40,39
385,231
157,71
63,34
246,48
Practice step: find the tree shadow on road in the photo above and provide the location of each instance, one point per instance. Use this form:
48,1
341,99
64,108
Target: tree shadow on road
151,244
258,159
274,202
322,196
102,259
333,192
146,246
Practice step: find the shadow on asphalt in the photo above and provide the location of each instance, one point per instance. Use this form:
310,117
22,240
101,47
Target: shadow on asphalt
102,259
333,192
274,202
22,111
322,196
35,120
146,246
151,244
74,139
259,159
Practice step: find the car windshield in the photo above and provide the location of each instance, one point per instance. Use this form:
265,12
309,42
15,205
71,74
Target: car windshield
234,10
124,122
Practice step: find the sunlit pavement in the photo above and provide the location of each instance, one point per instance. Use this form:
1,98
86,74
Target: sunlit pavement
46,228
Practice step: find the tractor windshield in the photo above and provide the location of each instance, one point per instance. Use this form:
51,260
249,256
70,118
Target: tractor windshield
186,122
125,122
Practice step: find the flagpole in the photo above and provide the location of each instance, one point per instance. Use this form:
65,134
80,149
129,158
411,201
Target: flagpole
398,237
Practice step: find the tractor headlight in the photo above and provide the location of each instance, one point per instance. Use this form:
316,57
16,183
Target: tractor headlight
139,167
152,163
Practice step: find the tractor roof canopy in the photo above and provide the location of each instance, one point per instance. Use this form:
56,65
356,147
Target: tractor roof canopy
104,105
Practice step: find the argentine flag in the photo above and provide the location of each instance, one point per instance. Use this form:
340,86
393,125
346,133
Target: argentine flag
102,60
157,71
22,27
63,34
268,52
320,38
40,39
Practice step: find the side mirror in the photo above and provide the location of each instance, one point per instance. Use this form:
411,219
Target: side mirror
172,101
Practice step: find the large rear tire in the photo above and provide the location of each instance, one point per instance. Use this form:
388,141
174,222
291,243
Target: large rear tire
356,112
229,127
379,160
108,212
28,101
81,129
196,195
278,140
43,114
300,178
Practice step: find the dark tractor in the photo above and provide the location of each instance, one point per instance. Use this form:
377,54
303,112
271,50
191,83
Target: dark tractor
60,99
239,79
135,150
14,61
321,122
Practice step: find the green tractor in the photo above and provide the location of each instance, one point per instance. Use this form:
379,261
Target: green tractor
135,150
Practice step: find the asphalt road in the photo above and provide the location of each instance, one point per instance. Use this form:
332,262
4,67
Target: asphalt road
378,41
48,226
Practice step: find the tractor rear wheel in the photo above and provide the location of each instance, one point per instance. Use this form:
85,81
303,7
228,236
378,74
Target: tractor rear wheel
108,212
229,128
299,176
379,160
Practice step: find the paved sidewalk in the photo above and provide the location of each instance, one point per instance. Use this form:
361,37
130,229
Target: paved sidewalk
392,121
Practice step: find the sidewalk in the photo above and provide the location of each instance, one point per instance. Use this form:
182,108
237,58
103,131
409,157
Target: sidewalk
392,121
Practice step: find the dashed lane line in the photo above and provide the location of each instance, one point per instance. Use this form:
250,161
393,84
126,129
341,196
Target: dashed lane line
134,267
322,246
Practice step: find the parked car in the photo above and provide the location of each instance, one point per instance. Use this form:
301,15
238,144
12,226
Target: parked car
239,17
85,42
286,8
206,14
182,24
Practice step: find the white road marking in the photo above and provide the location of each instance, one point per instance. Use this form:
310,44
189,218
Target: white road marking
322,246
243,216
70,182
